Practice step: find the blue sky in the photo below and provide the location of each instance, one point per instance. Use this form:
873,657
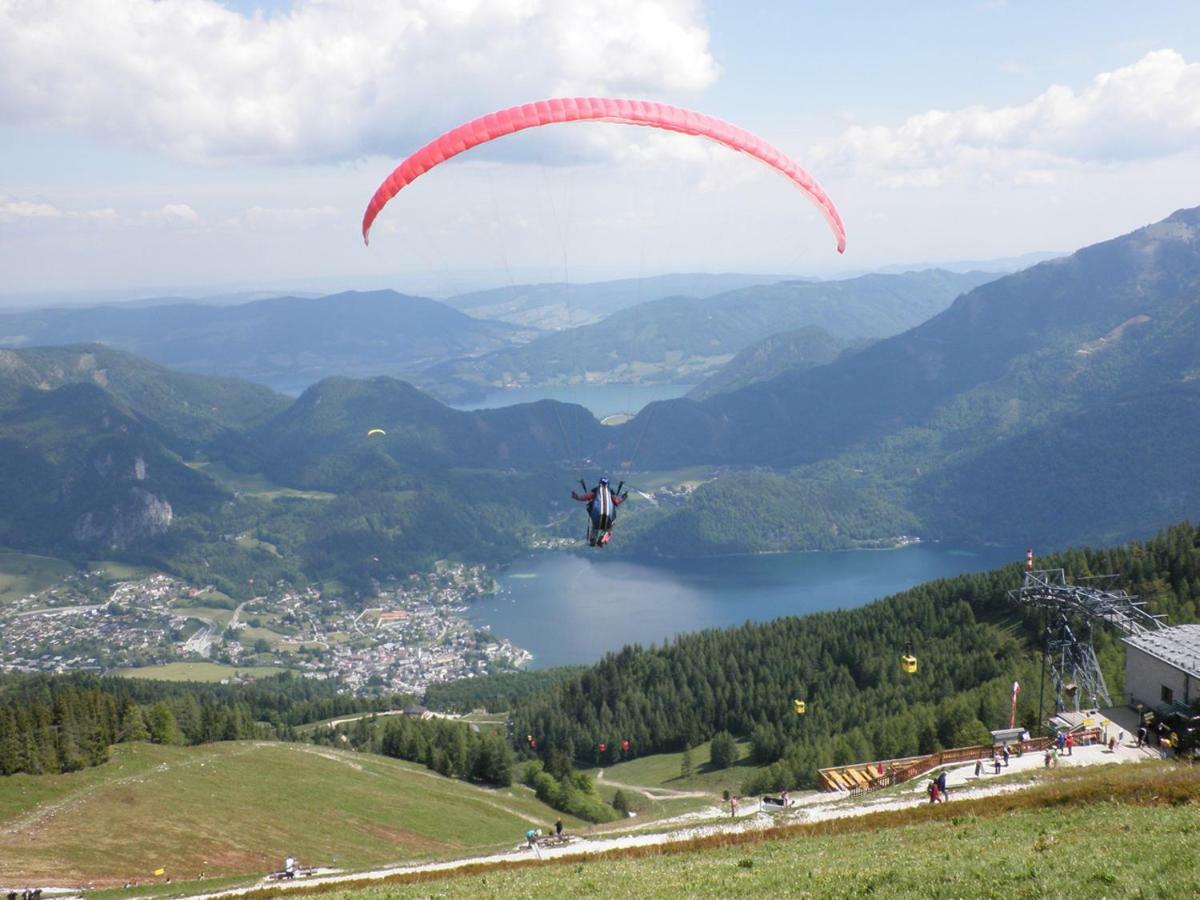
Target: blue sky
191,146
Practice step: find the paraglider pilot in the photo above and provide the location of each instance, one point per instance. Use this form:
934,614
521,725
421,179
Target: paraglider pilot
602,503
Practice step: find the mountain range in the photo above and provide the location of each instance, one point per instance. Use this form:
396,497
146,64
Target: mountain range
553,306
1095,355
686,339
1056,404
775,354
287,343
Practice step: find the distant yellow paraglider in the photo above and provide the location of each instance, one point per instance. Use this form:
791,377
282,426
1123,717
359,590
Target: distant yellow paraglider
375,431
799,706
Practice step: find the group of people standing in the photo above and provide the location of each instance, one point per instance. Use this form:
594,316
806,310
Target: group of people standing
938,792
532,835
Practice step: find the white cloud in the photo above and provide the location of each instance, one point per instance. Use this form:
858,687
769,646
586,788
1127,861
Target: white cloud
275,218
13,211
1146,110
330,79
174,214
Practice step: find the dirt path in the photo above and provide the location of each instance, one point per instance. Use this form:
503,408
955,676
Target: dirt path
813,807
656,793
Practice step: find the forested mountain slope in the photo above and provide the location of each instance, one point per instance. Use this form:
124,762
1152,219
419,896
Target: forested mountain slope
82,471
189,410
684,339
1119,316
970,641
322,439
555,305
786,351
170,474
1040,405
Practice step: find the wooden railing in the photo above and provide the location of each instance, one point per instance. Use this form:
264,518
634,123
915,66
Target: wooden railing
865,777
859,777
968,754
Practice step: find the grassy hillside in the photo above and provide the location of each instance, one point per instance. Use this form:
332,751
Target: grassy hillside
240,808
655,787
197,671
1117,832
28,573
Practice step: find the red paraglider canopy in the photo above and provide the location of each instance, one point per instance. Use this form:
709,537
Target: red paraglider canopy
598,109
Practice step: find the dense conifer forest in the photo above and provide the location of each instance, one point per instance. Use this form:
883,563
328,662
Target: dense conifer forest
971,642
60,723
450,748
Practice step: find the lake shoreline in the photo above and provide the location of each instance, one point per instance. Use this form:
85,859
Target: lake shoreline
574,607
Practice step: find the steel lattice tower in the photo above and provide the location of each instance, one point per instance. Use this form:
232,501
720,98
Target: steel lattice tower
1073,608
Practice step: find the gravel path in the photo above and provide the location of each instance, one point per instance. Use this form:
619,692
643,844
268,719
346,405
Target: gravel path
814,807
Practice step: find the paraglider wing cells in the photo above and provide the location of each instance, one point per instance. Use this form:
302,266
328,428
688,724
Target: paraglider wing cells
598,109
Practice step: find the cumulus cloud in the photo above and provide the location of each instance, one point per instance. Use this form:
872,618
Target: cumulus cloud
174,214
329,79
14,211
1142,111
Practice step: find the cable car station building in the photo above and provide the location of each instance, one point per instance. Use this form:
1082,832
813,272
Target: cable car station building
1162,667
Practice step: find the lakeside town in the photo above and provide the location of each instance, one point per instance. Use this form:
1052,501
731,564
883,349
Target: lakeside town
410,635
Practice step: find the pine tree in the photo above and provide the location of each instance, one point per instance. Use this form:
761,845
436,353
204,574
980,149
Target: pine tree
133,725
723,752
685,764
620,802
160,721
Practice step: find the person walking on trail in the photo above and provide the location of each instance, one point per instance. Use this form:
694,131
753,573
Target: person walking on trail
996,764
558,828
732,806
1005,754
941,783
979,767
602,502
531,836
934,793
1070,742
1141,735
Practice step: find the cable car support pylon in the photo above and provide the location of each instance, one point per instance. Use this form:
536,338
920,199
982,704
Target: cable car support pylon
1073,608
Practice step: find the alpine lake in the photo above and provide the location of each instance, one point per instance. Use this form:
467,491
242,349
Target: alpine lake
573,607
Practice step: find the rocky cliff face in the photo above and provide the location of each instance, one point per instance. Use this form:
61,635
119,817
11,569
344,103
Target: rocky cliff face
79,472
138,516
123,511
